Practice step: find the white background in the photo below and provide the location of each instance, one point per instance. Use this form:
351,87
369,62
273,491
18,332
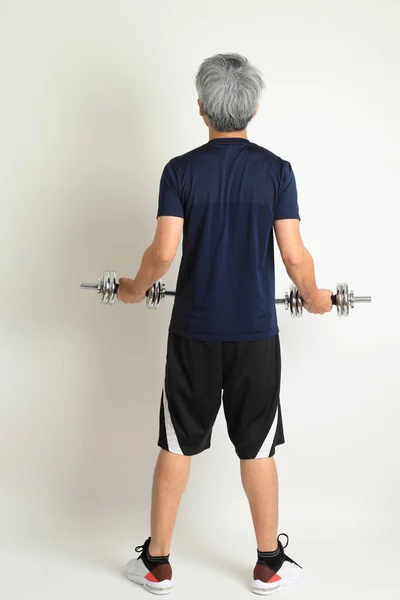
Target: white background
95,98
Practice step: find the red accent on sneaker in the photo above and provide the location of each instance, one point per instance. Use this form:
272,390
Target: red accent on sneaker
150,577
265,574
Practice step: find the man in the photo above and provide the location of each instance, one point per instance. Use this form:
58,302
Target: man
227,197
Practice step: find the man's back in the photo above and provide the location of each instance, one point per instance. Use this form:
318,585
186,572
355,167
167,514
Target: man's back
229,193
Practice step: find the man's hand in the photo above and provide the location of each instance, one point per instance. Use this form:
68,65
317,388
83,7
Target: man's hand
320,303
128,292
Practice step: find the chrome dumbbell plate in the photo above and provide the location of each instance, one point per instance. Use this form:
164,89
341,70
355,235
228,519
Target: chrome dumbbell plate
155,295
106,287
344,300
109,287
294,302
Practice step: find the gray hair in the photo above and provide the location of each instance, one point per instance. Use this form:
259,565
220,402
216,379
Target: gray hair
229,90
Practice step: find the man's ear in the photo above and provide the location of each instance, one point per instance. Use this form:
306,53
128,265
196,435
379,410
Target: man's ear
201,110
256,111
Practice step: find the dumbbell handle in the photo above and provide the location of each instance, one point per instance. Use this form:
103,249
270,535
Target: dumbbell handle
166,292
364,299
95,286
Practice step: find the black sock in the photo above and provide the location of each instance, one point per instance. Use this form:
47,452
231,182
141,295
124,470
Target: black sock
273,560
156,559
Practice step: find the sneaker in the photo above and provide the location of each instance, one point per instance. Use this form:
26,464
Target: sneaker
154,574
282,572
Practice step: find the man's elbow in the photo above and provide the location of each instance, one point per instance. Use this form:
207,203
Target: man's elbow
164,256
166,261
293,259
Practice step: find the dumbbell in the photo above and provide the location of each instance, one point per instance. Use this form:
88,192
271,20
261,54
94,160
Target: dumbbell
107,288
344,300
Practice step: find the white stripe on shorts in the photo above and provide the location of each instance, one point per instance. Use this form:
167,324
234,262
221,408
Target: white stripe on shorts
172,438
266,448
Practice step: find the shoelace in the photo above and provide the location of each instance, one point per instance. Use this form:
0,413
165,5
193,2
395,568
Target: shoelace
285,556
141,548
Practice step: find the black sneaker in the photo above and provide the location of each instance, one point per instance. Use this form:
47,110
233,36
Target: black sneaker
270,575
154,574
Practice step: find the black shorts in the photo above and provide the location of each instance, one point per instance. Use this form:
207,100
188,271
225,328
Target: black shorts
245,376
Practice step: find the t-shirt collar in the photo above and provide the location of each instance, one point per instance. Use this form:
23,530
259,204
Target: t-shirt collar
229,140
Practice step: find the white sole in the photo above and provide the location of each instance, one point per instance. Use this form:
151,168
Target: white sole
158,588
267,589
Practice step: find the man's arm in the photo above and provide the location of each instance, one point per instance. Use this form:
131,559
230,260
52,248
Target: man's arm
155,262
300,266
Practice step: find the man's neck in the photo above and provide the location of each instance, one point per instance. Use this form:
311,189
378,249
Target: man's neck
228,134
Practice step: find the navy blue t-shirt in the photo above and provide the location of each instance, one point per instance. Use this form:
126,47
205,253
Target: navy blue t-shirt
229,192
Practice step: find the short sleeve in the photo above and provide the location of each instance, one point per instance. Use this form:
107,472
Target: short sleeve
169,202
287,206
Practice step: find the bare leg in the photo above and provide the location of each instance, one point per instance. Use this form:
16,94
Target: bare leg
170,478
260,482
